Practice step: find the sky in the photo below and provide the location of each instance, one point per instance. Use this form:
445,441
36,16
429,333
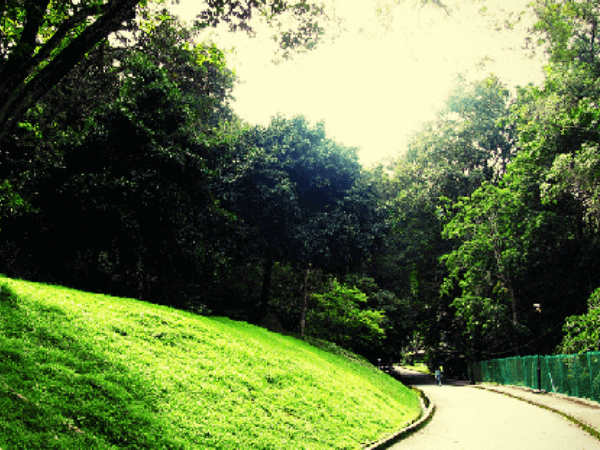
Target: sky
373,87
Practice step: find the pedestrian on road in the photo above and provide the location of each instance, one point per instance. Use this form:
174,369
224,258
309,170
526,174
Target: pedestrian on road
438,377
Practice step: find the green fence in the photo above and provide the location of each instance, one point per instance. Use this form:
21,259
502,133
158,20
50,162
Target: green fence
574,375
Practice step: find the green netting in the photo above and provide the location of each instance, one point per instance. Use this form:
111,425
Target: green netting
574,375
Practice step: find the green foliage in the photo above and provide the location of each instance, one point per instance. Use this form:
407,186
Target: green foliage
91,371
55,36
302,199
340,316
470,143
494,206
533,237
125,200
11,202
398,321
198,69
576,175
298,26
582,333
556,168
567,29
487,227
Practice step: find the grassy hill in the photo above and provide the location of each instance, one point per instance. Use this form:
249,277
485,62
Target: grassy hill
80,370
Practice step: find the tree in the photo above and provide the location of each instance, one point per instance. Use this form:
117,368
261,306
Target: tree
485,265
407,263
398,323
304,197
126,207
339,316
582,333
67,31
557,162
533,238
41,41
577,175
449,158
468,143
567,29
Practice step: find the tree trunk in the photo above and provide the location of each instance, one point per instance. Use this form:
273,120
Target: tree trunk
505,277
304,301
266,288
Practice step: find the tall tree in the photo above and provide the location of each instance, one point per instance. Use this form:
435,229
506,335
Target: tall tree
485,265
468,143
126,204
303,195
534,238
41,41
447,159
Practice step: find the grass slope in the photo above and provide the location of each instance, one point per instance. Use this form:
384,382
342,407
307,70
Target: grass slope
80,370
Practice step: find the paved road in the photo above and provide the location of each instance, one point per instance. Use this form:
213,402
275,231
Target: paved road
468,418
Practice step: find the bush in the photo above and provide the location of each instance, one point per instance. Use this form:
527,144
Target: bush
340,315
583,332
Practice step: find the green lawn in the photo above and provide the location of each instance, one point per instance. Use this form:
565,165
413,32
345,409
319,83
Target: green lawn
87,371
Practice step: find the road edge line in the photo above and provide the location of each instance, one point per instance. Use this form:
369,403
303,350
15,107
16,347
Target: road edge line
427,411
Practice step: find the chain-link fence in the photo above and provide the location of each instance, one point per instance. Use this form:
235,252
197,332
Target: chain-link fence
574,375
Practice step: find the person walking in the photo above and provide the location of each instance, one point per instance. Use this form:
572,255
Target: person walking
438,377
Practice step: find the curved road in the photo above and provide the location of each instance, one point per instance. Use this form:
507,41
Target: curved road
468,418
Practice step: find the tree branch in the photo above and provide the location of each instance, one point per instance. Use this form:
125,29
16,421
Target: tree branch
34,14
62,31
573,127
15,102
14,74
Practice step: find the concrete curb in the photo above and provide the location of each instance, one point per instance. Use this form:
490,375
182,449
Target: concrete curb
591,430
427,411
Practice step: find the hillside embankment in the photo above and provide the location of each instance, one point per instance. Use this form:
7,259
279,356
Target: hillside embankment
80,370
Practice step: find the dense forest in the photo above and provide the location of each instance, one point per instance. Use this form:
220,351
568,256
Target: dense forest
124,170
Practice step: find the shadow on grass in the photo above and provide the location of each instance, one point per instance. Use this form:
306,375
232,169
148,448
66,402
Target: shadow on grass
59,390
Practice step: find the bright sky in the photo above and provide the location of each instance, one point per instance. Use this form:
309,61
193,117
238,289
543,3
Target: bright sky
373,88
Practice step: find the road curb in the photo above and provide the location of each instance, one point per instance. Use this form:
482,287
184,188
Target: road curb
591,430
427,411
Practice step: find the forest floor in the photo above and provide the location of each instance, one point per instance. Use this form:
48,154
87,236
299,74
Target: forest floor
475,417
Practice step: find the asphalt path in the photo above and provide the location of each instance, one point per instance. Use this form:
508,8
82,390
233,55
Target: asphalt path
468,418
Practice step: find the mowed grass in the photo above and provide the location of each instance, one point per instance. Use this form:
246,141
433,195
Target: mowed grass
80,370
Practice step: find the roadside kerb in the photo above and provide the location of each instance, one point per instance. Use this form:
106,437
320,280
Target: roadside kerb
526,395
427,411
